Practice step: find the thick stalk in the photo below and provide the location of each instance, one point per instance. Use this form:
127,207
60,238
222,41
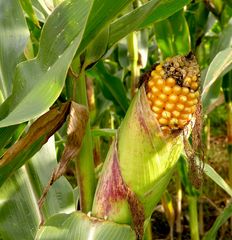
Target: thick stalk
193,217
84,162
134,56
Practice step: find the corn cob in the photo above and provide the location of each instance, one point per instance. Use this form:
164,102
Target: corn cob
172,90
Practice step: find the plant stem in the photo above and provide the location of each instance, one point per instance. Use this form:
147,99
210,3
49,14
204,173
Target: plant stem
134,56
84,162
148,232
193,217
179,206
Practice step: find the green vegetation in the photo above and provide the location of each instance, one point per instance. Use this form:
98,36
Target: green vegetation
107,131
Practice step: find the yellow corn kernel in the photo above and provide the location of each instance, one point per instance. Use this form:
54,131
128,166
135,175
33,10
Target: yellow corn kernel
175,113
179,106
156,109
185,91
171,82
159,68
173,98
155,90
163,121
169,106
166,114
162,96
194,86
159,83
177,89
158,103
167,90
183,99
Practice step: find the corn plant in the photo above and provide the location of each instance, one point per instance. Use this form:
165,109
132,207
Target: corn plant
109,90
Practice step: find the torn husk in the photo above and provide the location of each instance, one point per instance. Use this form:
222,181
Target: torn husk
138,167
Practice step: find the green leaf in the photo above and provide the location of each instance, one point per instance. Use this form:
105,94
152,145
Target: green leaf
60,198
97,48
27,7
183,172
211,173
149,13
171,33
79,226
19,218
13,38
113,88
69,24
221,64
221,219
6,134
103,132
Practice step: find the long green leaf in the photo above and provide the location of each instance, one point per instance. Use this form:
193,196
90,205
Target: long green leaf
19,218
60,198
78,226
221,219
149,13
221,64
112,86
211,173
171,33
61,36
13,38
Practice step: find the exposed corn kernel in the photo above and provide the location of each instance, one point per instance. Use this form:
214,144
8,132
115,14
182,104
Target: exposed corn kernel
162,96
185,91
175,113
158,103
194,86
174,122
191,95
156,109
169,106
179,106
171,82
167,90
155,90
172,92
173,98
159,67
159,83
163,121
187,110
151,84
183,99
177,89
166,114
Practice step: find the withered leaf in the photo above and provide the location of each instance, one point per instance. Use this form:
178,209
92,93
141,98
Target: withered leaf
76,130
38,134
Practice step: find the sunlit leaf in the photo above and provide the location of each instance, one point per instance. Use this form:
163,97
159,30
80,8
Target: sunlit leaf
78,226
220,65
13,38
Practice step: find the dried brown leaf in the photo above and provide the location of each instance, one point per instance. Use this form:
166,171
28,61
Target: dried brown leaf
42,129
76,130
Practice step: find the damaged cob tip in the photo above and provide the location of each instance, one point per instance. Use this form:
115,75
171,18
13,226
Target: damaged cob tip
172,90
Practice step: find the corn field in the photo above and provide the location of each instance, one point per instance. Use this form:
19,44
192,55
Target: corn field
115,119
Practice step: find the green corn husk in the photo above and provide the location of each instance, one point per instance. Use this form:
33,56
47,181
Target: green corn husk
137,169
